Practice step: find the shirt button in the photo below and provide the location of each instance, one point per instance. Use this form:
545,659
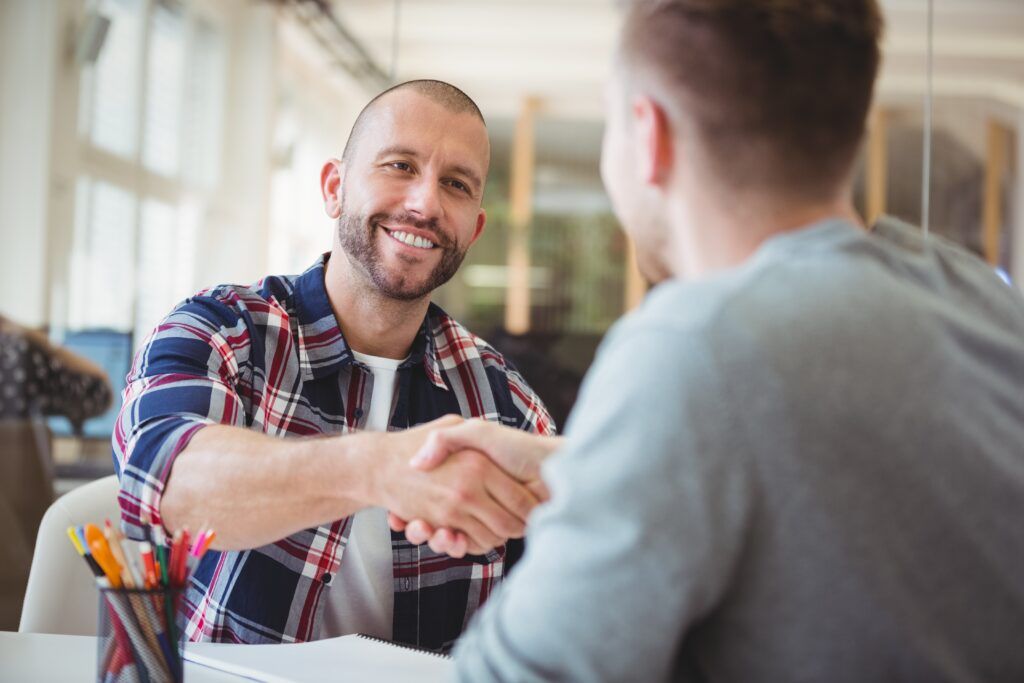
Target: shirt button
359,412
326,578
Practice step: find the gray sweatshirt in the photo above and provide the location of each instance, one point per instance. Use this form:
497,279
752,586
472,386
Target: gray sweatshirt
809,468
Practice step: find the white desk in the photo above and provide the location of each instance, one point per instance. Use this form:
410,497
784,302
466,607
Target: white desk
44,657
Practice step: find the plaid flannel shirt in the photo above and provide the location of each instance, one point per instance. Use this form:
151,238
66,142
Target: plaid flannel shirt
271,358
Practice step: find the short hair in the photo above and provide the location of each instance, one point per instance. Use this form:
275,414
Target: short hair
776,92
445,94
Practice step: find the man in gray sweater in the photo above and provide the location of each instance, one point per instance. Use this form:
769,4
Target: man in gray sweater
802,459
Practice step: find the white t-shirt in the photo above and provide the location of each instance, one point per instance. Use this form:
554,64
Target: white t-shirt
361,599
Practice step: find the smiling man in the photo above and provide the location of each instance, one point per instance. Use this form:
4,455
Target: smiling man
351,348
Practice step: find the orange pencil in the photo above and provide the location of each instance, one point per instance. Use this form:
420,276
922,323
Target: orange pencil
207,542
101,553
127,576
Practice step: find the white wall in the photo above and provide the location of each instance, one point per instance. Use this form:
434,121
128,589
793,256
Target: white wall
29,54
232,241
316,109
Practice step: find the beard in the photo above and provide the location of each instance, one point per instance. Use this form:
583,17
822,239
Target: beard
356,236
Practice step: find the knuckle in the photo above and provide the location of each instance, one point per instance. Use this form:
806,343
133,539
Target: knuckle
462,495
455,503
476,463
472,465
449,509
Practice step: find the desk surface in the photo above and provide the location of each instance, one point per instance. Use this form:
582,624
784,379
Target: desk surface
47,657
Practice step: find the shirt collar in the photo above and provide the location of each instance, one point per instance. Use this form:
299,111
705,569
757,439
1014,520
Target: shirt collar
322,347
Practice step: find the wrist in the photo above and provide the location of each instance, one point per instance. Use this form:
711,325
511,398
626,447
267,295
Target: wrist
344,476
365,468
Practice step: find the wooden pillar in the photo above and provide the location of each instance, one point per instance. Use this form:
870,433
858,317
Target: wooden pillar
636,286
876,181
517,302
996,157
1016,217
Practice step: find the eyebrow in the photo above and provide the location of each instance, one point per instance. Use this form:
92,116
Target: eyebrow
398,150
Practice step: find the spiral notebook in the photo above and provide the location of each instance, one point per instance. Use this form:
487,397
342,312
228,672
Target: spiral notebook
347,658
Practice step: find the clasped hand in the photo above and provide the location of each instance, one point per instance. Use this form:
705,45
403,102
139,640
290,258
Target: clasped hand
470,486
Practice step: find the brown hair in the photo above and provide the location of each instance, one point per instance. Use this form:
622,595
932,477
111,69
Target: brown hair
776,92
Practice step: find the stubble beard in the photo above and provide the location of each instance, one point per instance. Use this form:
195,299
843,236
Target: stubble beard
356,236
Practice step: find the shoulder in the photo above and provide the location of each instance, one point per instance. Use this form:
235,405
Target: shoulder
271,294
223,321
268,301
800,293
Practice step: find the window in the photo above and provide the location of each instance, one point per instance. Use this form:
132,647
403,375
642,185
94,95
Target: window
165,69
109,91
101,257
150,124
150,121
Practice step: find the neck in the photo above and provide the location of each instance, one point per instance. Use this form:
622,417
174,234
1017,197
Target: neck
710,235
372,323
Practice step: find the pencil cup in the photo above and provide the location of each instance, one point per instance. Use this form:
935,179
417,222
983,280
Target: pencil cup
138,637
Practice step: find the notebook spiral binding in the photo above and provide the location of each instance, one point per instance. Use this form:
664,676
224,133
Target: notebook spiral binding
425,651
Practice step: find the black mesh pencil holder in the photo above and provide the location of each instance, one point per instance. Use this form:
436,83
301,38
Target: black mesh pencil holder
138,637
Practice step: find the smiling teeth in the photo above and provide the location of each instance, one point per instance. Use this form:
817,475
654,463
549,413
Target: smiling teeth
412,240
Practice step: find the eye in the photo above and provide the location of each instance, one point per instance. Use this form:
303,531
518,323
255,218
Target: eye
459,185
400,166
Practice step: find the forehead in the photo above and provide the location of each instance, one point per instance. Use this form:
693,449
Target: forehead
410,120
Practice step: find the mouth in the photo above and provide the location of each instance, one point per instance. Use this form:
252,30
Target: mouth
408,238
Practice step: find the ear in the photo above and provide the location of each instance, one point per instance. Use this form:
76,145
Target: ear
330,187
654,140
481,220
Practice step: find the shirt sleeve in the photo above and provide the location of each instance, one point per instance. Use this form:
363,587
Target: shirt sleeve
185,376
649,505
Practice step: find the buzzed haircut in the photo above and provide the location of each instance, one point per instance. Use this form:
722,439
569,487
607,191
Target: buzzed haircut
775,92
445,94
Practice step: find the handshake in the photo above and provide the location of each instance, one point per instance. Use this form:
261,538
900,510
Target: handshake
468,487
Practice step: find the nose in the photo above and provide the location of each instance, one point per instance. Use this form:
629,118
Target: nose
424,198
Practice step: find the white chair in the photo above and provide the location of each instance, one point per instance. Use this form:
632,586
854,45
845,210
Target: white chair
61,595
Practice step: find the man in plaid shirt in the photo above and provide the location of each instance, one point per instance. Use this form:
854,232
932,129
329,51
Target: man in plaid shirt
353,356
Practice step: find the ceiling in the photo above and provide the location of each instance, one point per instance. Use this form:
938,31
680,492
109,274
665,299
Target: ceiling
502,51
497,51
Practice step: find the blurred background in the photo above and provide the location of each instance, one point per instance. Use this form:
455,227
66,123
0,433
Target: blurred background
150,148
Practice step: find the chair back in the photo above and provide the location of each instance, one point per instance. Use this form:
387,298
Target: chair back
61,595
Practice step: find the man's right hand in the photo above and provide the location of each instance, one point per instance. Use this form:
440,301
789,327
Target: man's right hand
468,491
518,453
256,489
